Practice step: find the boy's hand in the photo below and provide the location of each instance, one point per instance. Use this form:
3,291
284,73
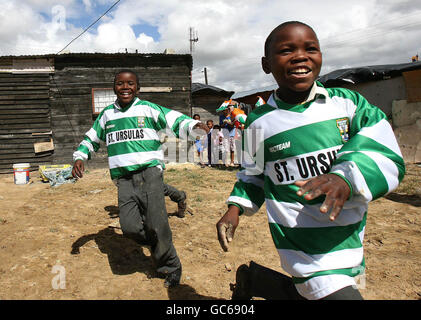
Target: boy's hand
226,226
334,187
78,169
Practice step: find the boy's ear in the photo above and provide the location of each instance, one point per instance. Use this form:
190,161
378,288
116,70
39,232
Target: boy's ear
265,65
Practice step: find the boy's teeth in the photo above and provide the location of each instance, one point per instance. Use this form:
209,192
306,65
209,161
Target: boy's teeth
300,71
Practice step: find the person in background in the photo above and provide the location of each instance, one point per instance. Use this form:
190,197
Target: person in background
218,146
208,141
231,120
199,144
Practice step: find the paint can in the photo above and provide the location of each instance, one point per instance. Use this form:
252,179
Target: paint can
21,173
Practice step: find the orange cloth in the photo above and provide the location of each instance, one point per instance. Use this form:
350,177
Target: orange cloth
235,112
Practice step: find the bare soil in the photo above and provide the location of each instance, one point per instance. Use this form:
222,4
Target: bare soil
73,229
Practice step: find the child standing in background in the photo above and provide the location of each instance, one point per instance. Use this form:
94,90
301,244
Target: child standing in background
218,146
199,144
208,141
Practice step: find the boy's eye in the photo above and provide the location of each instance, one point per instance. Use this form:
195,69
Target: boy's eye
312,49
285,50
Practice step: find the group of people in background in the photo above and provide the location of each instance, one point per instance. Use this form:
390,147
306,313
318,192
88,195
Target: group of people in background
223,142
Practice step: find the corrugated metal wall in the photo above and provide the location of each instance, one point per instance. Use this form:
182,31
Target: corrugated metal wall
24,119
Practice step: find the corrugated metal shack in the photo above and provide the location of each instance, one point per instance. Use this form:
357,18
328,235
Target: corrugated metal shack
379,84
48,102
206,99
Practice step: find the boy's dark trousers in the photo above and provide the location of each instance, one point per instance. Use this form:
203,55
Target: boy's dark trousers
173,193
259,281
143,216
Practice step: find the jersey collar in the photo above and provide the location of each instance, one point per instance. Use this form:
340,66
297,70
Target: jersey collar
316,91
117,105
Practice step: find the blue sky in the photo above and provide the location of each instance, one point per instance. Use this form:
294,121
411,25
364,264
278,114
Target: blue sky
84,18
231,32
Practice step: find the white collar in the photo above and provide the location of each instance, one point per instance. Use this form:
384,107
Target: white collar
117,105
315,90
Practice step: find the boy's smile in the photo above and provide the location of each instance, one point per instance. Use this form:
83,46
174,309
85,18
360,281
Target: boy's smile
125,87
295,60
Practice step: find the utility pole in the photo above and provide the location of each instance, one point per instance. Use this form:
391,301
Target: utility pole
206,75
193,38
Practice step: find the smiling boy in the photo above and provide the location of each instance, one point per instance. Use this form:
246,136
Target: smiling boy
327,153
130,127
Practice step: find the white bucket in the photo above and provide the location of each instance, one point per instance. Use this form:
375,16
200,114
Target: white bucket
21,173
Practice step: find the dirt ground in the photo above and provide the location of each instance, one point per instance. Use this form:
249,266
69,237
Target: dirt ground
40,225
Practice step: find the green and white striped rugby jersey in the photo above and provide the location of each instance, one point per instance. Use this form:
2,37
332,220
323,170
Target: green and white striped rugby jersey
131,135
337,132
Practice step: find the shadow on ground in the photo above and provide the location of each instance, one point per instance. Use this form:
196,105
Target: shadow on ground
411,199
124,255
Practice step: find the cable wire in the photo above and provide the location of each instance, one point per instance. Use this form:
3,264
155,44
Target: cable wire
53,79
109,9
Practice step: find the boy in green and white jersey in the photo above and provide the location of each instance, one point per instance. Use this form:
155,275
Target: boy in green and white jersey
130,128
326,153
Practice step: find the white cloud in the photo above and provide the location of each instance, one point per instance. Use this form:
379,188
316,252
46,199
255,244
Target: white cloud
114,38
88,5
147,44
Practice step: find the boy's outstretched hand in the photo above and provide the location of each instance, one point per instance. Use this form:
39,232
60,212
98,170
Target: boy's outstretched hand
334,187
78,169
226,226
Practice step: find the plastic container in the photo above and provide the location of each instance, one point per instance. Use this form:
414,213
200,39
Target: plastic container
21,173
51,167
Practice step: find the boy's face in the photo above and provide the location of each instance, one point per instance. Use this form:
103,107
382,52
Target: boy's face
125,88
209,124
294,59
196,118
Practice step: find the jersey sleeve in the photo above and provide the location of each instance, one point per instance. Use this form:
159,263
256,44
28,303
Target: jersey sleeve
92,139
370,160
248,192
178,123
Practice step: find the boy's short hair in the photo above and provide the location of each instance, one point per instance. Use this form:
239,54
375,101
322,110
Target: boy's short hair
207,121
128,71
281,26
196,115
